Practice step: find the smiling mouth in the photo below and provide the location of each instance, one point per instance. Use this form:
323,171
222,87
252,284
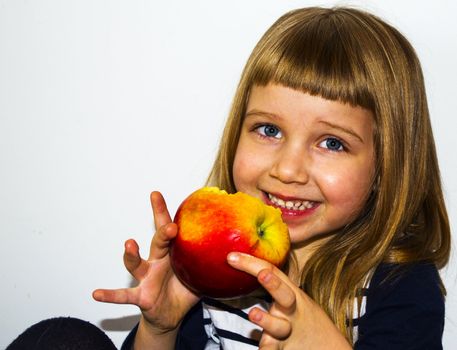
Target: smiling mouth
296,205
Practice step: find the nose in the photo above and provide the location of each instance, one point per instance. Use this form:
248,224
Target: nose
291,165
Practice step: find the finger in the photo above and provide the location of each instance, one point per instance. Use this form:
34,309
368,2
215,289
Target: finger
277,327
133,262
116,296
269,347
267,342
253,265
159,209
247,263
284,296
161,241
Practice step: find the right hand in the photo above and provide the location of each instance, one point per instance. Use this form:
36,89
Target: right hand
162,298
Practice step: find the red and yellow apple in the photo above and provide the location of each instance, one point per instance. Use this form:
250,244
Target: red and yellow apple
212,223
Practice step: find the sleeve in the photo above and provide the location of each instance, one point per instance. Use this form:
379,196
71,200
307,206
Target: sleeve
191,334
404,310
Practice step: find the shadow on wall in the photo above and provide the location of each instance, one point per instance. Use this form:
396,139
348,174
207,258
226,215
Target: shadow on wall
120,324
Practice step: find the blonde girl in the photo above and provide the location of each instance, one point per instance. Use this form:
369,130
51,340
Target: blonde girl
330,124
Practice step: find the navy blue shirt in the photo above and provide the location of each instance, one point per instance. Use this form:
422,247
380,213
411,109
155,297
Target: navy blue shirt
404,311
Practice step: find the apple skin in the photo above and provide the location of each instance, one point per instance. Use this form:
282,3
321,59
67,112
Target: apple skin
211,224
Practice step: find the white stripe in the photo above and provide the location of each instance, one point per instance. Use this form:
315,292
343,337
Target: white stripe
360,309
233,323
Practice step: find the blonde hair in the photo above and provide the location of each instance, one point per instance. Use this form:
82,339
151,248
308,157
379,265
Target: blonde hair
354,57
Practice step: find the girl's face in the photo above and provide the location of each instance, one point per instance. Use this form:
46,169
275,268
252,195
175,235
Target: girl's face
311,157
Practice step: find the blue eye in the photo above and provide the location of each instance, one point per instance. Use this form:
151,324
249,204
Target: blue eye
332,144
269,131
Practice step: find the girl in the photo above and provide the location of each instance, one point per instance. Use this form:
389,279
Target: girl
330,124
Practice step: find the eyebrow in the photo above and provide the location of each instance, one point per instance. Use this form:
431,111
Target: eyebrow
262,113
343,129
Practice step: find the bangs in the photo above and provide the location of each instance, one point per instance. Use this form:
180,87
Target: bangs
314,56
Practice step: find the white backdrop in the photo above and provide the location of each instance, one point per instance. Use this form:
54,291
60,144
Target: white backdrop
103,101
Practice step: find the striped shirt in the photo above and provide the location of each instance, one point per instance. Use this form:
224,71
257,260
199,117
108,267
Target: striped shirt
228,327
227,324
402,308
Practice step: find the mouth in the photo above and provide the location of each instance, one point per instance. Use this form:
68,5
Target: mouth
289,206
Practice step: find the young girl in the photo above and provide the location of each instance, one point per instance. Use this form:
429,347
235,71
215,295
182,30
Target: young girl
330,124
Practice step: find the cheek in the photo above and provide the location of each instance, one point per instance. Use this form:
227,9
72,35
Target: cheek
249,166
242,169
346,191
239,168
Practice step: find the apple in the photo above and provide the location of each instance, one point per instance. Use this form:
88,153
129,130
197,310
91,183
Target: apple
212,223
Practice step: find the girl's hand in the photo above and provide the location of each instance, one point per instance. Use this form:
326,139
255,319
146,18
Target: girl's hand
294,320
162,298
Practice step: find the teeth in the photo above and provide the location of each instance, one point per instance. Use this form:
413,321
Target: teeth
295,205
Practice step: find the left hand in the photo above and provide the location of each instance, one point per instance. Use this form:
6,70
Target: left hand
294,321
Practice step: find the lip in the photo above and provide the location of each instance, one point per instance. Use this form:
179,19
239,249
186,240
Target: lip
289,214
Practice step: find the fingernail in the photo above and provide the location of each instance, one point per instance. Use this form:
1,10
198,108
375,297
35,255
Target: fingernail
256,316
233,257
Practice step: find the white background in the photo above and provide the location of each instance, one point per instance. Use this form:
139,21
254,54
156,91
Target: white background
102,102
